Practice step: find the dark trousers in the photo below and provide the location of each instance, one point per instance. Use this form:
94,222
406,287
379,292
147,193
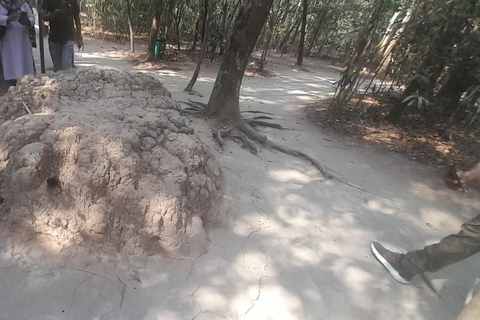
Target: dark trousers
449,250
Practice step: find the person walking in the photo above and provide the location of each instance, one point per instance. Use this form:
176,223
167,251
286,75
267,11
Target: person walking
451,249
62,15
16,22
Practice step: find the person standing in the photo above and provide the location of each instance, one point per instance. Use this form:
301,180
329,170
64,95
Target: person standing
62,15
16,21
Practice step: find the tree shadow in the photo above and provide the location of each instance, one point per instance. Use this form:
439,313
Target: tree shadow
293,246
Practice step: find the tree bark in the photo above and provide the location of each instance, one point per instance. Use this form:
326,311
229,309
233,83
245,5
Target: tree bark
301,47
316,33
283,43
130,26
223,105
223,30
192,82
348,83
168,19
268,41
195,35
178,22
154,30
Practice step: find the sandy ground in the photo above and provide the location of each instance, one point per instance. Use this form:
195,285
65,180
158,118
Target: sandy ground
292,246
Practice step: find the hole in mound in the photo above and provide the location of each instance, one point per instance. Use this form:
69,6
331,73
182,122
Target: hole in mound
53,183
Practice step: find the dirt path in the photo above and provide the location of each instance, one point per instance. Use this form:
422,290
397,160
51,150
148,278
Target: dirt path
292,247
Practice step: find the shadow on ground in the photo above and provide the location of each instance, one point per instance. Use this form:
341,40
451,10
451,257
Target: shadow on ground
293,246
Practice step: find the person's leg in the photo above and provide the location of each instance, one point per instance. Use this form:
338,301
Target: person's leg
56,54
67,55
452,249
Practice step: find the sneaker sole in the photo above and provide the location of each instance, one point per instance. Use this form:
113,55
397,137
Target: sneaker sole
394,273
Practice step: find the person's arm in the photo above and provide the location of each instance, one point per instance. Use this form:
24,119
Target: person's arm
5,18
78,24
472,176
49,13
29,19
31,15
53,16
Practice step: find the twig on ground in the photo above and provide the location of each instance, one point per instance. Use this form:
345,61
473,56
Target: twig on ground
26,108
136,276
86,271
124,290
81,282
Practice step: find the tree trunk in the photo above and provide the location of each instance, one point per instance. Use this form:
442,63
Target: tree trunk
190,85
223,105
474,118
178,22
386,40
348,83
301,47
432,66
316,33
297,30
223,30
195,35
154,30
168,19
268,41
130,26
283,43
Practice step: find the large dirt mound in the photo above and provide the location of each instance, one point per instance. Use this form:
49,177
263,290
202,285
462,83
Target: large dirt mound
105,159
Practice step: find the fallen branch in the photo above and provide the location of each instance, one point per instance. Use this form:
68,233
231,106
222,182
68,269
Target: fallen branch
26,108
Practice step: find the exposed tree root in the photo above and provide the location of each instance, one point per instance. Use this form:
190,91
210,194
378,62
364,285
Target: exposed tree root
255,111
260,118
260,123
217,135
245,134
263,140
194,108
198,104
247,143
254,136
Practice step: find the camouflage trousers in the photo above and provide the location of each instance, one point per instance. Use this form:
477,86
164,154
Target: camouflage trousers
449,250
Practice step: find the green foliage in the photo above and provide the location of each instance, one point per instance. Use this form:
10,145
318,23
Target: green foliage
431,46
417,100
